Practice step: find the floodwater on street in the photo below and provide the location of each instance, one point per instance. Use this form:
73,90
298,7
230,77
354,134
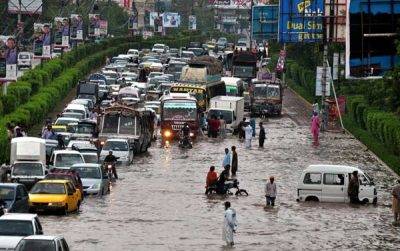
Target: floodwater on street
159,201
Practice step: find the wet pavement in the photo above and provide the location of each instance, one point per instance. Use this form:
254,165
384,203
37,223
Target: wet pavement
159,202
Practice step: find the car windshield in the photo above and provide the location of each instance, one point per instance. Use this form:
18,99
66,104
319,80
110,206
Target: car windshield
66,160
64,121
88,172
90,158
181,110
260,90
227,115
42,245
116,146
158,47
27,169
72,115
273,92
197,51
187,55
16,227
6,193
23,56
48,188
244,71
85,128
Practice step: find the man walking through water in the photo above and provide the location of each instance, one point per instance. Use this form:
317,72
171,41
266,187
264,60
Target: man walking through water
353,188
230,224
234,160
248,135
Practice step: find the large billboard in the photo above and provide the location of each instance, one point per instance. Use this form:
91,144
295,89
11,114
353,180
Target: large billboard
265,22
372,28
61,32
42,40
76,32
171,19
94,25
301,21
26,7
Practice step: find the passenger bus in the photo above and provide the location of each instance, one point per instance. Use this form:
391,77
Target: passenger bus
120,121
176,110
199,92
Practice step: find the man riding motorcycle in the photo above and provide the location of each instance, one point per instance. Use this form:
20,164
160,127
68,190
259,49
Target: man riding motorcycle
185,132
110,158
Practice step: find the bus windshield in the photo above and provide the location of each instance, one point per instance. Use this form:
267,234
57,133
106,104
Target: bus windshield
181,110
243,71
273,92
260,90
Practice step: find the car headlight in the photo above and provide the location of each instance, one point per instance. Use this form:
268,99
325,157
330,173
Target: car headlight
96,186
55,204
167,133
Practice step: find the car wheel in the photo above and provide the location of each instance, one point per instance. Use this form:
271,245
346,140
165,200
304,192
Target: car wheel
65,210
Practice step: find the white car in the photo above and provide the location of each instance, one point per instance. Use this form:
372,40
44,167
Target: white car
120,148
94,179
64,159
66,120
159,48
24,60
329,183
15,226
42,242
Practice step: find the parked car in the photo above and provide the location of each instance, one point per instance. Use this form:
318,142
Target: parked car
15,226
54,196
329,183
43,243
24,60
15,197
94,178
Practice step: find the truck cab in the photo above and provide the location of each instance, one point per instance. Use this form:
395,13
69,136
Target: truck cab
28,160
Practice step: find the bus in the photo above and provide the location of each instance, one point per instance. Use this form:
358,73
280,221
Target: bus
199,92
176,110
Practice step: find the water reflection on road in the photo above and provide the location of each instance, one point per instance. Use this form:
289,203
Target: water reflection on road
159,202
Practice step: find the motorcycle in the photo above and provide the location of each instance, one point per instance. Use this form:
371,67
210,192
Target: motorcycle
109,167
185,141
227,187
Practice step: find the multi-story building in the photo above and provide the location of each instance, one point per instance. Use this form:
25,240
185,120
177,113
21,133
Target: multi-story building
231,15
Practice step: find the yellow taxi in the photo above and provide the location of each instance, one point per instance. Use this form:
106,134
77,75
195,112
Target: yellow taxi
211,45
59,128
54,196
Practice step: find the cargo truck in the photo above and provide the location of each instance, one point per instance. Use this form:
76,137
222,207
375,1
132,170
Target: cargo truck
231,108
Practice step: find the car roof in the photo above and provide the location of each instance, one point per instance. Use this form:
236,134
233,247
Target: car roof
9,184
18,216
54,181
43,237
68,118
89,165
118,140
66,152
332,168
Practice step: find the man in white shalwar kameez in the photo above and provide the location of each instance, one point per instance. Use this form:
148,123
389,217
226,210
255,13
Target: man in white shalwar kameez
248,130
230,224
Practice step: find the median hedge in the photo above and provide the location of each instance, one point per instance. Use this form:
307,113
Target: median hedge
37,92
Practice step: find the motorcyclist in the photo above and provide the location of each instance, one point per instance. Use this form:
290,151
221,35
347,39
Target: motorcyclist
224,176
110,158
185,131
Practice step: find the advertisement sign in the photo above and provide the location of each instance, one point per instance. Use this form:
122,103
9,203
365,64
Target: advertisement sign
319,80
280,66
335,66
76,31
133,21
192,23
153,18
265,22
8,59
171,20
372,29
103,27
301,21
61,32
42,41
27,6
94,25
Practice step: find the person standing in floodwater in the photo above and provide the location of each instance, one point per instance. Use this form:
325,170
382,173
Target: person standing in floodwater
230,224
315,128
353,189
261,136
270,191
396,202
248,134
234,160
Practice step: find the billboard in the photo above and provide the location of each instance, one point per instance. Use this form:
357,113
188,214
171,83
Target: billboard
370,38
171,19
133,21
264,22
8,59
27,6
192,23
153,18
76,31
103,27
94,25
42,40
301,21
61,32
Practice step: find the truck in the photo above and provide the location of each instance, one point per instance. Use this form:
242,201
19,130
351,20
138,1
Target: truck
28,160
244,66
266,97
88,90
231,108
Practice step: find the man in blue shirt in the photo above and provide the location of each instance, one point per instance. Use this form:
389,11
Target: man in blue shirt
65,28
227,158
11,52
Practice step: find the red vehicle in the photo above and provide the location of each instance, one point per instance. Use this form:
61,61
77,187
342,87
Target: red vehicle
66,175
176,110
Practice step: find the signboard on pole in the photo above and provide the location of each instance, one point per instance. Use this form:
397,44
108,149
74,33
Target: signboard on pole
171,19
133,21
94,25
372,29
335,72
8,60
27,6
103,27
264,22
301,21
61,32
76,32
153,18
192,23
319,80
42,41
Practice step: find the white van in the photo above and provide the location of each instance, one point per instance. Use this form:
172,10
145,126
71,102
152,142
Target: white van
77,108
64,159
329,183
234,86
24,60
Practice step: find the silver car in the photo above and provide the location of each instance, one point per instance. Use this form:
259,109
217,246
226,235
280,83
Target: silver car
94,178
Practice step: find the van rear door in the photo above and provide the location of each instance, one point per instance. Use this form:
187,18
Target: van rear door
334,187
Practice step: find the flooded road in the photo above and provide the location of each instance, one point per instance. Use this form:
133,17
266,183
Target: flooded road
159,202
